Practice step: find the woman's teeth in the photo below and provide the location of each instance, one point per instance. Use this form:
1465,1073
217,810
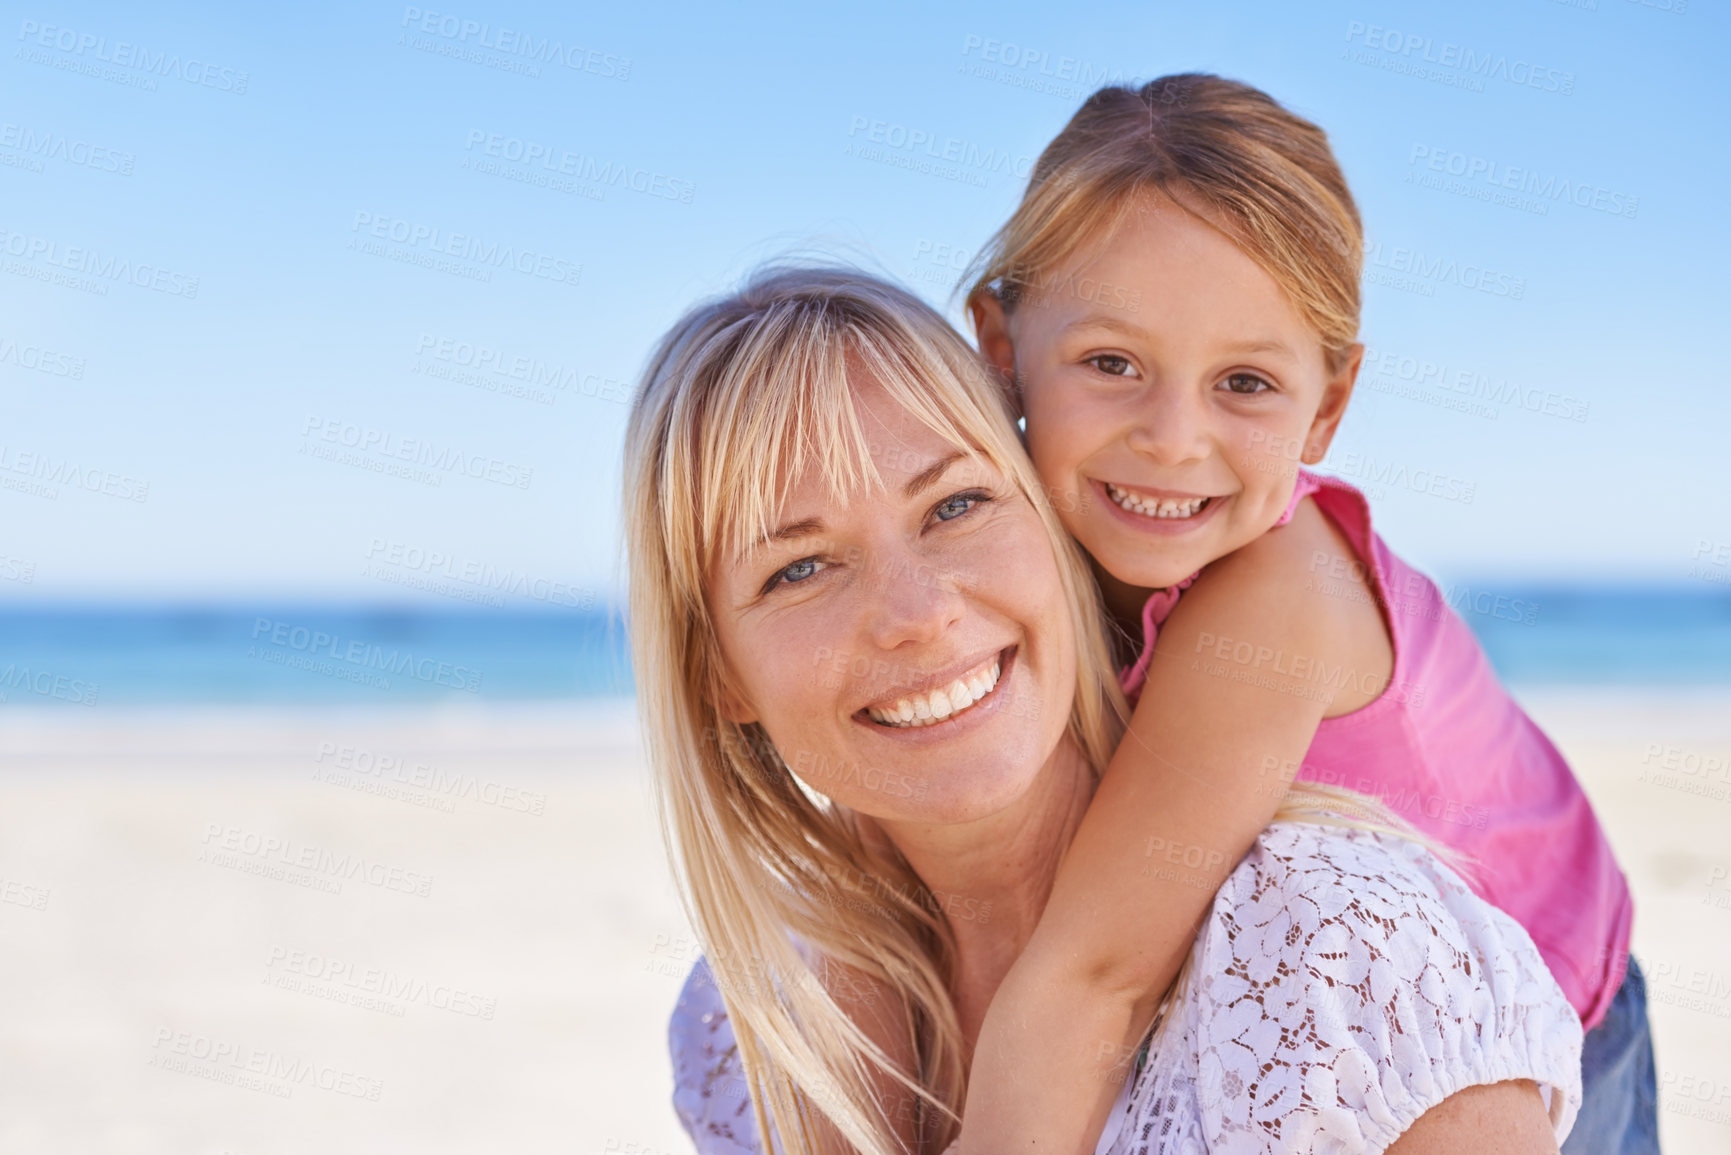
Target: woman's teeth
1154,507
935,706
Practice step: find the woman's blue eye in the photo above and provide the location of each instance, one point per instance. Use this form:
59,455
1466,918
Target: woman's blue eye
954,507
799,570
1247,383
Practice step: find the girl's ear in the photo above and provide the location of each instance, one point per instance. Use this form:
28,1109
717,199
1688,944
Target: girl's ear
992,329
1335,394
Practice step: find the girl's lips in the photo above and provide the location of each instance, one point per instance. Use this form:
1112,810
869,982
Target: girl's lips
1160,526
958,724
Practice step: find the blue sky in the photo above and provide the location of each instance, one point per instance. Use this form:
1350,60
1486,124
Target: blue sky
260,266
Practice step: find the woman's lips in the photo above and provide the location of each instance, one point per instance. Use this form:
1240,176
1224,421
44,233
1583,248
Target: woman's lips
938,704
936,708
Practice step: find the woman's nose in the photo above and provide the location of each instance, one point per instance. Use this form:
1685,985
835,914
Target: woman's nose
911,600
1171,428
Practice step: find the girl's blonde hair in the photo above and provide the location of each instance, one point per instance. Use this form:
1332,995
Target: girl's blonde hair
1264,175
739,398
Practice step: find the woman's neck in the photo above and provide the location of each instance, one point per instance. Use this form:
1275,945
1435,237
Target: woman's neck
992,877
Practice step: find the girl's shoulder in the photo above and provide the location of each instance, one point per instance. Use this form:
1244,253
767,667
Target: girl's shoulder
1299,591
1345,983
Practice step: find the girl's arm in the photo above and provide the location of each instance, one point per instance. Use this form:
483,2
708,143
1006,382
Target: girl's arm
1230,706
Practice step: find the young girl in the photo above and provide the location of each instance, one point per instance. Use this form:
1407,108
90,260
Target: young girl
1175,304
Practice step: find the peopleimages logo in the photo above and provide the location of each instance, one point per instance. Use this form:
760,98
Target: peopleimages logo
90,262
383,443
1459,58
465,33
362,655
48,146
580,166
926,148
1483,178
133,56
432,240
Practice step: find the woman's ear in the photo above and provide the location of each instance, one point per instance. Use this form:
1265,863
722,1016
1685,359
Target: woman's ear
1335,394
992,329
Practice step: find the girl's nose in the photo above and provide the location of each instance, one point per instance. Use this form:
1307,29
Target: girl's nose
1171,429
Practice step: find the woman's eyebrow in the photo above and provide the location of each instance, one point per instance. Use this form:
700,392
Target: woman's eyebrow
928,476
813,526
805,527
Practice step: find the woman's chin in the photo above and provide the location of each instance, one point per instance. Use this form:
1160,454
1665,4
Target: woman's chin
957,797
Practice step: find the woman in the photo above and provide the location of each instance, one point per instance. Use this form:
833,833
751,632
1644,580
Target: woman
869,660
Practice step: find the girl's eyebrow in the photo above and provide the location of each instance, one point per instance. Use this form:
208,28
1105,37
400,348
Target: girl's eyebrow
1266,345
1105,321
1130,328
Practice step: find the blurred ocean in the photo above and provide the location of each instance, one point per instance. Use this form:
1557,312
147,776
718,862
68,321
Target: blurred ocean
307,655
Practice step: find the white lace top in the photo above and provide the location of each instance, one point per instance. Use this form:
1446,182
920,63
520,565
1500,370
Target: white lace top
1344,984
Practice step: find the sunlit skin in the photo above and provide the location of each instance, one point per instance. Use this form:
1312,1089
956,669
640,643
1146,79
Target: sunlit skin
945,567
1212,386
1203,399
921,585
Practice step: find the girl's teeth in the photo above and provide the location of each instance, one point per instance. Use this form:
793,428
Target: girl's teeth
926,709
1155,507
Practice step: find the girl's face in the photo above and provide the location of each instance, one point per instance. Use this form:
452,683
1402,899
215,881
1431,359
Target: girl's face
909,653
1170,391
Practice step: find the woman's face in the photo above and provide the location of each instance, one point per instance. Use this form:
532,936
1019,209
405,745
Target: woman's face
909,653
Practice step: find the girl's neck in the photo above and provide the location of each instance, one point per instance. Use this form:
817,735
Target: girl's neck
1124,604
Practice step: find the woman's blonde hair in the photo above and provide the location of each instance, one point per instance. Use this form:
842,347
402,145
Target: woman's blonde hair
1264,175
741,396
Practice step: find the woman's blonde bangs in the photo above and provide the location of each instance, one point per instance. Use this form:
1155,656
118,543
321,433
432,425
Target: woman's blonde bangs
783,406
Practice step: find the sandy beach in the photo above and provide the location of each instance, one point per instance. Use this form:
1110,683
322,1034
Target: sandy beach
265,933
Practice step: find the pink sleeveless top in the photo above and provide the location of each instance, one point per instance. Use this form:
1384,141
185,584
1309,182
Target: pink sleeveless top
1447,749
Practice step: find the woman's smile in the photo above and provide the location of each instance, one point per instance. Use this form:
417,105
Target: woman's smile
945,699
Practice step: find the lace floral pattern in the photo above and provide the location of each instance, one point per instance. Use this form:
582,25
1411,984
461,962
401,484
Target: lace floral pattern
1345,984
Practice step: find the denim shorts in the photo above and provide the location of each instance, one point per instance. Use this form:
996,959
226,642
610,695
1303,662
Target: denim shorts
1619,1098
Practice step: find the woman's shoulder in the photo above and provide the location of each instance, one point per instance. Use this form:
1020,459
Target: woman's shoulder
710,1093
1347,982
1355,909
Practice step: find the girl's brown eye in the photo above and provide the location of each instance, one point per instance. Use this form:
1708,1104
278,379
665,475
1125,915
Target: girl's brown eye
1111,364
1247,383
